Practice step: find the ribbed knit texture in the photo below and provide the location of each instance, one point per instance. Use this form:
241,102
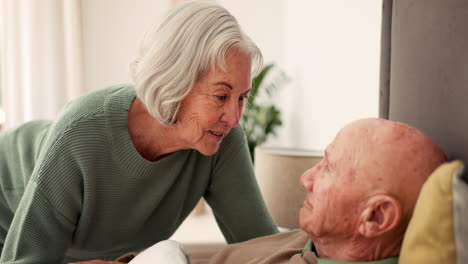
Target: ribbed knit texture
77,186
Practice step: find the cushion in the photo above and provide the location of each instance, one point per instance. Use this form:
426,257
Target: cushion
430,234
460,214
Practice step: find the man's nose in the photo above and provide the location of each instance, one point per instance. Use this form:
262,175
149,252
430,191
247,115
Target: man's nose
307,179
232,113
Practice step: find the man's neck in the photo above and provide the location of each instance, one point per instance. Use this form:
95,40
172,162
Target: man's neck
357,249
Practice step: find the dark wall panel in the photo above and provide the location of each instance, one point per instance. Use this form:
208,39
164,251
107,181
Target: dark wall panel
429,70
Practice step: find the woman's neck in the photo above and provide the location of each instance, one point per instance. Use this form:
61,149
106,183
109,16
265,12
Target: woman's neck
147,133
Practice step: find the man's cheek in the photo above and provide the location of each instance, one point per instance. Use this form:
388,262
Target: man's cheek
322,200
306,220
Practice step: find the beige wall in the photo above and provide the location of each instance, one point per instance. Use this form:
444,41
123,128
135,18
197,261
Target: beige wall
111,30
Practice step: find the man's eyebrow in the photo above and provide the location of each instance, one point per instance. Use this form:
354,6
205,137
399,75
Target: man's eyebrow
327,157
326,153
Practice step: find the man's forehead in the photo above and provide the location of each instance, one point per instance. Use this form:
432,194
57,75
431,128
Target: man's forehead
331,149
336,144
341,149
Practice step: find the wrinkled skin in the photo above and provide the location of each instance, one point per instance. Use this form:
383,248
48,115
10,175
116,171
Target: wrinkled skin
361,195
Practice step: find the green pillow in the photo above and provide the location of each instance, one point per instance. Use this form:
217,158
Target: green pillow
430,237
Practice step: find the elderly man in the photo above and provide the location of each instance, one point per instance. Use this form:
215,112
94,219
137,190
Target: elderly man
359,201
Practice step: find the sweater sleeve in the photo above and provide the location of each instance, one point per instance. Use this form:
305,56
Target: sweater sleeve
234,195
44,222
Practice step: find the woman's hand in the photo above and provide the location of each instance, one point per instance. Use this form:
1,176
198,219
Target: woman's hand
98,262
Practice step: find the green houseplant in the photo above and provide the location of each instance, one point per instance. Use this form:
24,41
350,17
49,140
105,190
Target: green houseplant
261,119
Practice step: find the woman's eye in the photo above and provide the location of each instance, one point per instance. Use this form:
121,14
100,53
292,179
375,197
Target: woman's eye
221,98
243,98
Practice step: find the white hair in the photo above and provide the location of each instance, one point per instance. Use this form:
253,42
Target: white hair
194,37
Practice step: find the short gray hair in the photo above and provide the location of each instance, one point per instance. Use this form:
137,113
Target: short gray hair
194,37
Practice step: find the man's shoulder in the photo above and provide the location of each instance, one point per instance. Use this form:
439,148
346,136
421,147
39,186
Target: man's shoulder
278,248
296,238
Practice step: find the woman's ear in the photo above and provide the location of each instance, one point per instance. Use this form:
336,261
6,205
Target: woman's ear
381,215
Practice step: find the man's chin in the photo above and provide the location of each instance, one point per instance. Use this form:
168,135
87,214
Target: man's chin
304,218
307,223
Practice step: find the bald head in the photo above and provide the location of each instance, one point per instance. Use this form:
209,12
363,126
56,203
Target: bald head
393,158
360,197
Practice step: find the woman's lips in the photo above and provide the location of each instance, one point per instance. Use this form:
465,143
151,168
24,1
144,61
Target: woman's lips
217,135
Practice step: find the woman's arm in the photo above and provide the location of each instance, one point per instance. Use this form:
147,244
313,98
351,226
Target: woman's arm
45,219
234,195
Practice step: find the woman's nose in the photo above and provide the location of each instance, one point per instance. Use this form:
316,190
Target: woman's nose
232,114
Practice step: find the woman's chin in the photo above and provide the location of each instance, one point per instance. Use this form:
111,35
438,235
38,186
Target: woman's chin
208,151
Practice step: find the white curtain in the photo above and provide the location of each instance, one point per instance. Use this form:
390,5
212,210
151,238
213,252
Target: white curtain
41,58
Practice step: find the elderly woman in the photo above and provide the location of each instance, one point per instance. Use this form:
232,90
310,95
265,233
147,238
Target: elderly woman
123,167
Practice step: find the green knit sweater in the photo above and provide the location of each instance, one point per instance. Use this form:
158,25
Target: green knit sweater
78,187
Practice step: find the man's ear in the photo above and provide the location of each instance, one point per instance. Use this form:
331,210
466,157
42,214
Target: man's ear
381,214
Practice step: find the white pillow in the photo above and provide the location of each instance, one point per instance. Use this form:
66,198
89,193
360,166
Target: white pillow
167,251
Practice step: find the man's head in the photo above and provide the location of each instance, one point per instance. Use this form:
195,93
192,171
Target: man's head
360,197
